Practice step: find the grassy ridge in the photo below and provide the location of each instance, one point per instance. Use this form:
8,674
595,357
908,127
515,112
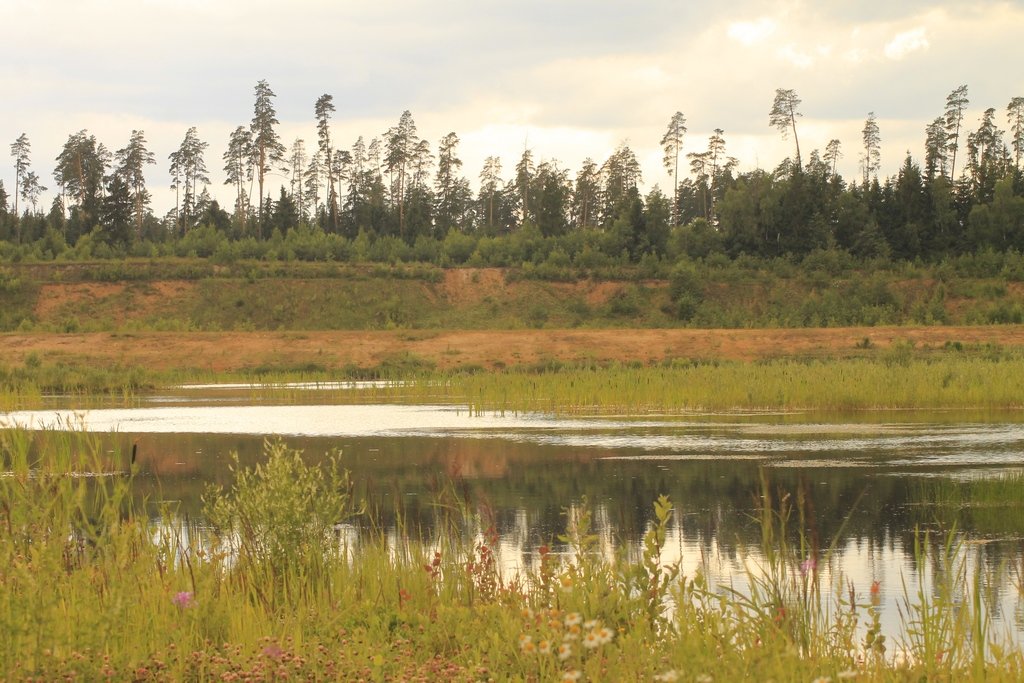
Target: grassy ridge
195,294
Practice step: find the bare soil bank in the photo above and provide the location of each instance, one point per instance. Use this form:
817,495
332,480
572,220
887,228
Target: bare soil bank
233,351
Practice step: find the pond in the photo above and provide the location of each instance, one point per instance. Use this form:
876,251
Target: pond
869,484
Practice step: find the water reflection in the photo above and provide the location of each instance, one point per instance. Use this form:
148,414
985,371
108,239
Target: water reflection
869,484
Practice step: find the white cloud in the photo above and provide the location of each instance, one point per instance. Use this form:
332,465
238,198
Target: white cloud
795,56
574,77
751,32
907,42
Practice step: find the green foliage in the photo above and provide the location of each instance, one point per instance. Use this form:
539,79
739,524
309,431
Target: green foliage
685,290
279,520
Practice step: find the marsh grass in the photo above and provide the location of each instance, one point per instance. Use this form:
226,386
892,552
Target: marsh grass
898,378
297,581
907,383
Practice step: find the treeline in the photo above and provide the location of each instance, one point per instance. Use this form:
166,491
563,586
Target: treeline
395,197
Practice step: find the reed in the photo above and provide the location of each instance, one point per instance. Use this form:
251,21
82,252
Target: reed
948,382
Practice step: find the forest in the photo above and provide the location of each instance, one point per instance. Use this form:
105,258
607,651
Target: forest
395,197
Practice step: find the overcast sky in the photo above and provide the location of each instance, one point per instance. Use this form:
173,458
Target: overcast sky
570,79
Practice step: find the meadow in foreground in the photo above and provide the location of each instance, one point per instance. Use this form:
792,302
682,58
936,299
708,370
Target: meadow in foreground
294,581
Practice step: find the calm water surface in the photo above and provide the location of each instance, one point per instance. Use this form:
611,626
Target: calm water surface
870,481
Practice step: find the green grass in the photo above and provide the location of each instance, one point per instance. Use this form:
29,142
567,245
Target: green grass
297,581
902,383
899,378
993,506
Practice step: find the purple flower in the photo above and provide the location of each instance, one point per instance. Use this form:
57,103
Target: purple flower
809,565
184,599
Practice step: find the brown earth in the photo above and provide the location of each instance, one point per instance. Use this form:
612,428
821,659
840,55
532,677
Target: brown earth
226,351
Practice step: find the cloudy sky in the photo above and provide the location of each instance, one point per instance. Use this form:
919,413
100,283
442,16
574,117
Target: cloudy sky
567,78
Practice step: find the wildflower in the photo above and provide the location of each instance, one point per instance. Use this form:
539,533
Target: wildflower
566,581
591,640
668,677
808,566
822,679
704,678
605,635
526,643
564,651
544,647
846,675
573,633
527,613
573,619
184,599
571,676
273,651
592,624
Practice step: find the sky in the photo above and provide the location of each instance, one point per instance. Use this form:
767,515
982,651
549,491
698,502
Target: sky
567,79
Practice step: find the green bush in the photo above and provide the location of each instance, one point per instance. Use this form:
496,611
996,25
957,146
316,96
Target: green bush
279,519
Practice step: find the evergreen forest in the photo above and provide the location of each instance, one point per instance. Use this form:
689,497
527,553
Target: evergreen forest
398,197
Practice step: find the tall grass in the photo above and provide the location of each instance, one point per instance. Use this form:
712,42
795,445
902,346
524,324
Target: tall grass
949,382
284,587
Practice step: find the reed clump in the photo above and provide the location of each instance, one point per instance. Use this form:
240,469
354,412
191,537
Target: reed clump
295,580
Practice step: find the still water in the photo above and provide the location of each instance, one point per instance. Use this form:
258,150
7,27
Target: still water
870,482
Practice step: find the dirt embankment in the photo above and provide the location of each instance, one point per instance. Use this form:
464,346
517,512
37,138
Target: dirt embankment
225,351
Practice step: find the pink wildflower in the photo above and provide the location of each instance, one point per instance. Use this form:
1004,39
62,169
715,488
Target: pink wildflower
184,599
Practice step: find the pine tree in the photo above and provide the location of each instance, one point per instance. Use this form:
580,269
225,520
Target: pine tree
783,117
452,188
31,189
131,160
188,170
672,144
267,147
80,172
524,172
490,178
956,103
238,165
872,158
401,142
584,198
297,166
20,150
936,148
833,153
323,109
1015,117
118,211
